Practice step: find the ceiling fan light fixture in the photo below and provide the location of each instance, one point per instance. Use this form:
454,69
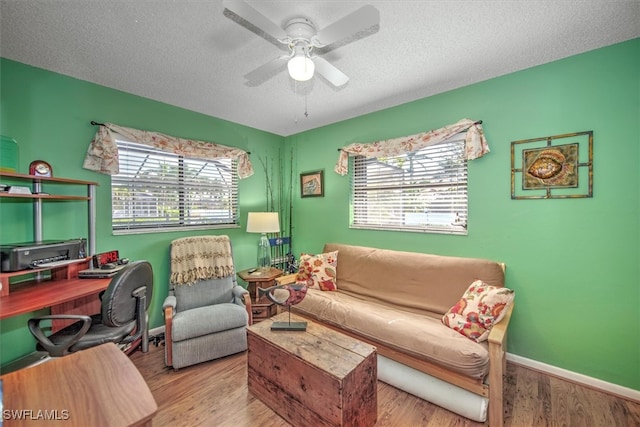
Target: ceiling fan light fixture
301,66
301,35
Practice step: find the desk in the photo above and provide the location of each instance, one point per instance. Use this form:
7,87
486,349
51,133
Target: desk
95,387
65,294
48,294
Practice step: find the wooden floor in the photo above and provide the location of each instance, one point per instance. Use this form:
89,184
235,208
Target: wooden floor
215,394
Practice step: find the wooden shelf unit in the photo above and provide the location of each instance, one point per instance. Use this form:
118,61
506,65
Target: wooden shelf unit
42,196
56,287
44,178
37,184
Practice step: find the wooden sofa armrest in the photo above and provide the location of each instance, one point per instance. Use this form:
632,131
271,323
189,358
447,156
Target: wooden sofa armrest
497,366
498,332
247,304
168,323
286,280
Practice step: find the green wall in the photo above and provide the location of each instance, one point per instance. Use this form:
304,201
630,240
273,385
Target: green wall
49,116
573,262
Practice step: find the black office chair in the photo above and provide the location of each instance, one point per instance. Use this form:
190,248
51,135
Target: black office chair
122,320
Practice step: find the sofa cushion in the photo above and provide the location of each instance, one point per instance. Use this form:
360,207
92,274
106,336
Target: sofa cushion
481,307
421,336
318,270
418,282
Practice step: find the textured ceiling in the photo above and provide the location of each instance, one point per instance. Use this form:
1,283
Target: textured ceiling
190,54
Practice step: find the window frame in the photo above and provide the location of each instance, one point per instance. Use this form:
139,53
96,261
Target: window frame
180,185
363,214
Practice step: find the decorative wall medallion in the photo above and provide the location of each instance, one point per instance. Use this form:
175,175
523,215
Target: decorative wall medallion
550,167
551,170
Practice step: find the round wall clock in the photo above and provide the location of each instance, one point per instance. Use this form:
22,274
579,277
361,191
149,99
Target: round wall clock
40,168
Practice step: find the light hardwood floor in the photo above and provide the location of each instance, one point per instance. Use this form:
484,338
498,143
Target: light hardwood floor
215,394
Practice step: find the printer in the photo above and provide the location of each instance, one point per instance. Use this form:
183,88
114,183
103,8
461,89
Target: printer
21,256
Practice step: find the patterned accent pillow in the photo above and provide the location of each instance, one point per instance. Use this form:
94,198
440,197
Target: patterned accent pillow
481,307
318,269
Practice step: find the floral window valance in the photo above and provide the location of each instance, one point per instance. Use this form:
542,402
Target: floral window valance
475,144
102,154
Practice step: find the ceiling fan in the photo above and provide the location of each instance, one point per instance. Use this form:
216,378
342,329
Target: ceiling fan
301,37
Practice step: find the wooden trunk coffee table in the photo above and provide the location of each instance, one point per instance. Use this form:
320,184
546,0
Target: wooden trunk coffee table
316,377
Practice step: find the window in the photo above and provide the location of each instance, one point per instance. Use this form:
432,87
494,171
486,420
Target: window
422,191
157,190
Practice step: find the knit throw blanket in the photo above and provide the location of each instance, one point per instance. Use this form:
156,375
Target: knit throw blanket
200,258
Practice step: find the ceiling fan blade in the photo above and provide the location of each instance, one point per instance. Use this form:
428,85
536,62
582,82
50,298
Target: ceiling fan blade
360,20
330,72
266,71
255,18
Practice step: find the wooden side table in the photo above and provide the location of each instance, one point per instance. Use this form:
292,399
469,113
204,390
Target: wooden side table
258,280
261,308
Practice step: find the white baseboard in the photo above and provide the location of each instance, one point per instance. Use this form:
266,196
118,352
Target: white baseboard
617,390
156,331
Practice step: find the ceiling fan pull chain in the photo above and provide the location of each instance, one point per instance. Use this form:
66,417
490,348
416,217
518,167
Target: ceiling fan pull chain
295,92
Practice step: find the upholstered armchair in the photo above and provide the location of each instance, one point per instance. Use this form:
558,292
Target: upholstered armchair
206,313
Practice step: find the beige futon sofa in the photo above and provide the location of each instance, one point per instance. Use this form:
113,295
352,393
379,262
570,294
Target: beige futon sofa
395,301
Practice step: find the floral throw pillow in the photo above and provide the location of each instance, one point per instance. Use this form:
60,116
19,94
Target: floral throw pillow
481,307
318,270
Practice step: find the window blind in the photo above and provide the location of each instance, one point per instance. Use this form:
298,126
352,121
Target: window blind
425,190
161,190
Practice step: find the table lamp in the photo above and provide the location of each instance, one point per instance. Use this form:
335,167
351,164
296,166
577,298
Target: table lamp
263,222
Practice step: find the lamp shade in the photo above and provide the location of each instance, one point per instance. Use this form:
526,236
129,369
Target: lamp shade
263,222
301,68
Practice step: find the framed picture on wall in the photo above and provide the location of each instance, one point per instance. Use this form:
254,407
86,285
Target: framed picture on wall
553,167
312,184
